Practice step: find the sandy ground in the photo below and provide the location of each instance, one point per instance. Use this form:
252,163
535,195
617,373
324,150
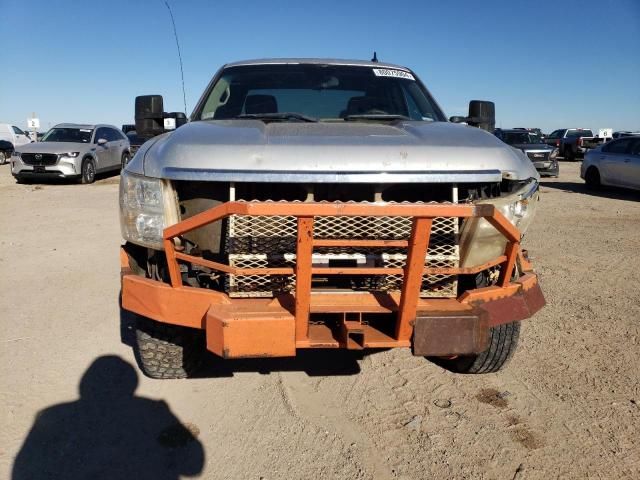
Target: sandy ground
567,406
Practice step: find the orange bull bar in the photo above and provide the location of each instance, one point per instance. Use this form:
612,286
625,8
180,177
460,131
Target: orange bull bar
250,327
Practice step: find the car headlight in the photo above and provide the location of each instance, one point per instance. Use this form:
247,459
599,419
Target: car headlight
554,154
71,154
480,242
15,154
146,209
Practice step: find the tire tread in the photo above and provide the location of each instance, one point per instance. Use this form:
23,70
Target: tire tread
167,351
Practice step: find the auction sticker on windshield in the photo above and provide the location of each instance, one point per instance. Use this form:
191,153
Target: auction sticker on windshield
386,72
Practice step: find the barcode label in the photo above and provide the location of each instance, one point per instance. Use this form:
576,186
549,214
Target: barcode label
386,72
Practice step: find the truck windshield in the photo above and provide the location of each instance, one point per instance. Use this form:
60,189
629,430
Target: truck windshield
76,135
520,138
319,92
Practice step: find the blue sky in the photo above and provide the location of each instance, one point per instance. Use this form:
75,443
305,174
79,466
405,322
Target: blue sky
546,64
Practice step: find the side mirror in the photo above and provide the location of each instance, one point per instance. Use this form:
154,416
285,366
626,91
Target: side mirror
457,119
149,115
482,114
102,141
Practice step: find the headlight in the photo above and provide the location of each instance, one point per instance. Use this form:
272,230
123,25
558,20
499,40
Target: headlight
71,154
143,215
480,242
16,154
520,206
554,154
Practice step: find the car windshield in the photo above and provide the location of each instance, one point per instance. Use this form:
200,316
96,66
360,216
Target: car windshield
311,92
521,138
76,135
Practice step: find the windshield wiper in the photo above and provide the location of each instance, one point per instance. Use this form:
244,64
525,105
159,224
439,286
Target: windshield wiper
278,116
376,116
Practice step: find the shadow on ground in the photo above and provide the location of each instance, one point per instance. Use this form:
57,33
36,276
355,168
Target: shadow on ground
109,433
605,192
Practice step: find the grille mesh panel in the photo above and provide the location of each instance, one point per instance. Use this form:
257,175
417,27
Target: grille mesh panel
262,241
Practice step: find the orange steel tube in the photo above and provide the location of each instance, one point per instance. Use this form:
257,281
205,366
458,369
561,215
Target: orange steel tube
504,226
511,252
172,263
336,271
418,242
205,263
311,209
303,277
417,247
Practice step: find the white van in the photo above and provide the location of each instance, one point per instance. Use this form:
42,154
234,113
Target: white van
13,134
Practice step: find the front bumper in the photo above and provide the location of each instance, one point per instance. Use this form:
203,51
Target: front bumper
547,168
268,327
64,168
240,328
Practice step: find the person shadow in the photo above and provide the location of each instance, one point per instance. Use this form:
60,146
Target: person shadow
109,433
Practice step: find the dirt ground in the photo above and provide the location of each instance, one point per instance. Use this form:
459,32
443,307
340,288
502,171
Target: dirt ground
567,406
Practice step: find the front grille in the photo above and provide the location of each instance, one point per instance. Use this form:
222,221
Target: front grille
39,158
538,156
270,241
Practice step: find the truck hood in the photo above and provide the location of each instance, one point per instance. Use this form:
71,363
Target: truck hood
252,150
55,147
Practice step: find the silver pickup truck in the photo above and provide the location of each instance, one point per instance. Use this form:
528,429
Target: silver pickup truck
313,203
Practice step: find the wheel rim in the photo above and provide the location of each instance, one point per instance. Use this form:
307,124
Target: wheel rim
89,172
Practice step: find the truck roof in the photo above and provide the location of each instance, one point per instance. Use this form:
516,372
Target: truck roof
316,61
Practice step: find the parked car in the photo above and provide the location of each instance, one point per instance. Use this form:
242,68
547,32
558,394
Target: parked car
616,163
324,204
13,135
543,156
72,151
624,133
6,149
572,142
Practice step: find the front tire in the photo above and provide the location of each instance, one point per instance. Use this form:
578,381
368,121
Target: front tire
88,174
167,351
592,178
503,341
125,159
3,157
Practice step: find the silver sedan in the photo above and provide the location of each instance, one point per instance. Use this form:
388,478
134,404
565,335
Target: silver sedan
616,163
72,151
